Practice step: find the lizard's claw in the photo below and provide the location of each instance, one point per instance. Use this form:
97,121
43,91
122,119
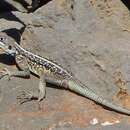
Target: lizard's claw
24,96
5,72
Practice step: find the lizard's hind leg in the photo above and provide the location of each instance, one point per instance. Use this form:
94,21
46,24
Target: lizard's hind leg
26,96
42,88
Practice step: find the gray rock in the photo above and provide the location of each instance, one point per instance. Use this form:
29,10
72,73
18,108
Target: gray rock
88,37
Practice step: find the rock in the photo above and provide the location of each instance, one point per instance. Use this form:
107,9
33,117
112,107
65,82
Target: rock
88,37
9,21
76,37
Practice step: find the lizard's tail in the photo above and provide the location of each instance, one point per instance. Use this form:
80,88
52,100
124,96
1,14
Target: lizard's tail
86,92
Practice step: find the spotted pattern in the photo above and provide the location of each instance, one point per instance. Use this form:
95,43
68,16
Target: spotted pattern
40,65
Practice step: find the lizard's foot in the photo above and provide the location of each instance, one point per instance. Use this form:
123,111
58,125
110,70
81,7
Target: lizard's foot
26,96
41,96
5,72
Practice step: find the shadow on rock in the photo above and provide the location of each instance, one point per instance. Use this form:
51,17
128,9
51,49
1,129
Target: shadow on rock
5,6
14,33
7,59
37,4
11,17
127,3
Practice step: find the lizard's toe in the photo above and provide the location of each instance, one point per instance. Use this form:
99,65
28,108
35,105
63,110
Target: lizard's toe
41,96
5,72
24,96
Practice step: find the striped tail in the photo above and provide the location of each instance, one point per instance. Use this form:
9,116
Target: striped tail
86,92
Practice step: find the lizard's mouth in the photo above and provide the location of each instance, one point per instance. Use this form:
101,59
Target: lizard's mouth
10,52
7,51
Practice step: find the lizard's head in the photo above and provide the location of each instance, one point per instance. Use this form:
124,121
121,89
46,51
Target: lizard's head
7,44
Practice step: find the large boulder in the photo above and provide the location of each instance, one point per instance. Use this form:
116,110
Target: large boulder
90,38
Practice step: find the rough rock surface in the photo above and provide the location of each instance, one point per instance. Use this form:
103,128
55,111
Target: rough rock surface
88,37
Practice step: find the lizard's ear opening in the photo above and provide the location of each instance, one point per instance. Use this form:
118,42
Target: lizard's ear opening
10,47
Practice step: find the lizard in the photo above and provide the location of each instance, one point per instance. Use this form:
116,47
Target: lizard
48,72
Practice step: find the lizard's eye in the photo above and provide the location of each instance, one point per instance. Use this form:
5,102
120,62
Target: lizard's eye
1,39
10,47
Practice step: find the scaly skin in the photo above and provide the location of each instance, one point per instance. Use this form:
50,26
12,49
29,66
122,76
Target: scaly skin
48,71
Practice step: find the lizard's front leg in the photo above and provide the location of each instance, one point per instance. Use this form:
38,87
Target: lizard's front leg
24,72
9,74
